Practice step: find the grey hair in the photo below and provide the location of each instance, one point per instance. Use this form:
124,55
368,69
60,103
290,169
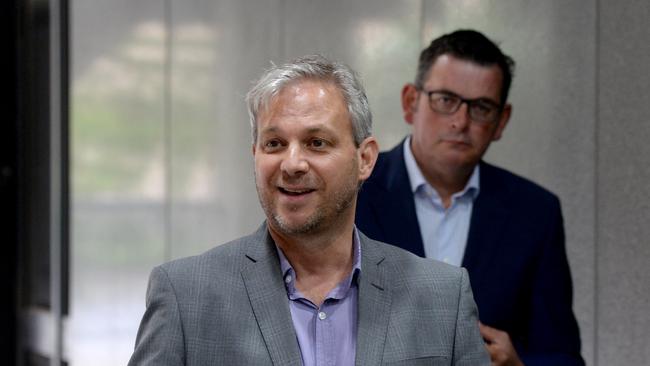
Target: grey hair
313,67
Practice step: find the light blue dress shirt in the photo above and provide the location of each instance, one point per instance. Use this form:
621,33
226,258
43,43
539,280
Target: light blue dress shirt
327,335
444,231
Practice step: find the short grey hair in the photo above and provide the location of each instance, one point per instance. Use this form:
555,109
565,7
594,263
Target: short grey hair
319,68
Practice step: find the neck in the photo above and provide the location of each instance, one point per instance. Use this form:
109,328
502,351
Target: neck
320,261
447,180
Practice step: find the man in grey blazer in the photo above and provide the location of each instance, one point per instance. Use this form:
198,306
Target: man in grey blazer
307,288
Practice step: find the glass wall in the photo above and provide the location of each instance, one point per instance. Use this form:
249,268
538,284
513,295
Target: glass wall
161,162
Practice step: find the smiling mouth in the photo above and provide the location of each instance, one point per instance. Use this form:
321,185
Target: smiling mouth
295,191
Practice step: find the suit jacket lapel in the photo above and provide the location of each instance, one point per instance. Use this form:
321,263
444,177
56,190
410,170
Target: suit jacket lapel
374,304
396,211
489,215
267,294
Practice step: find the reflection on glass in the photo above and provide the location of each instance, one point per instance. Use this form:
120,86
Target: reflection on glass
145,175
387,56
119,192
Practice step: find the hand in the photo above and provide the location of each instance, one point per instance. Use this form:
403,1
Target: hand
499,345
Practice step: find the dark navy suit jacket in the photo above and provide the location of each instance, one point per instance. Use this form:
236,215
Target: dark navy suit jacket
515,254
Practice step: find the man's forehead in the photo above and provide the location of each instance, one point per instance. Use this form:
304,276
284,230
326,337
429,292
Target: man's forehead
304,91
303,126
309,97
463,76
284,119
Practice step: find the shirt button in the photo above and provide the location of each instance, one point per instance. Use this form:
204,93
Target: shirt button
287,279
446,260
322,315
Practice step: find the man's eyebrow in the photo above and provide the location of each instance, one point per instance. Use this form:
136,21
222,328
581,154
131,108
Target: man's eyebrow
313,129
449,92
443,91
269,129
321,128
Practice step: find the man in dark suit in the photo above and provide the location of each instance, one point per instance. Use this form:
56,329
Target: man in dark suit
434,196
308,288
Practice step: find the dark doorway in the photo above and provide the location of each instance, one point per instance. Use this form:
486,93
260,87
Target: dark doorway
26,169
8,179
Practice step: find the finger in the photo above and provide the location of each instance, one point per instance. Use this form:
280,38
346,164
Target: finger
488,333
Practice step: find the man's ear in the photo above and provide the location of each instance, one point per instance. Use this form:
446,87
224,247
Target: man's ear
368,152
409,102
503,122
254,148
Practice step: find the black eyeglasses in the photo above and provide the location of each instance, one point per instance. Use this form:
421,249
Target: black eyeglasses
480,110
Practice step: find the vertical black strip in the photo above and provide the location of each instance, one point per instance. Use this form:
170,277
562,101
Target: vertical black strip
65,155
55,161
8,181
34,151
19,173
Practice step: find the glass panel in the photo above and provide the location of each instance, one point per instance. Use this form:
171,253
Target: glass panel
118,173
217,49
379,39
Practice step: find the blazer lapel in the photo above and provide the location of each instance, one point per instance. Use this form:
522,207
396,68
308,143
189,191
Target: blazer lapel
395,208
374,305
267,294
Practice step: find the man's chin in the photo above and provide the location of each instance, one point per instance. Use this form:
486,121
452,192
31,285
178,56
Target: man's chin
294,226
459,158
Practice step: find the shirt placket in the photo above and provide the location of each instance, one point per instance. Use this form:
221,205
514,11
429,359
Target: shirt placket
441,235
324,336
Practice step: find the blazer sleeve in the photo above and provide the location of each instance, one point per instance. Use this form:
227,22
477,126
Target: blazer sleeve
160,338
469,348
554,338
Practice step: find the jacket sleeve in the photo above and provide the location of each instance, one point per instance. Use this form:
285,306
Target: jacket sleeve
469,348
553,337
160,338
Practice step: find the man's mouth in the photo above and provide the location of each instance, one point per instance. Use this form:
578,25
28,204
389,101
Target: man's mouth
295,191
457,141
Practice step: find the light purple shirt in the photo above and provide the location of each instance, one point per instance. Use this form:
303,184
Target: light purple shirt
326,335
444,230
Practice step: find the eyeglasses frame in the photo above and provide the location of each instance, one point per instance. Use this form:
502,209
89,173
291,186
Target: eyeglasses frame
470,102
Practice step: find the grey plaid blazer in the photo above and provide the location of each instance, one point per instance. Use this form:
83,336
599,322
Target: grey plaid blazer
229,306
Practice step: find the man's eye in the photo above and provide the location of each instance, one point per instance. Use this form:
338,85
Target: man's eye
482,108
271,144
317,143
444,100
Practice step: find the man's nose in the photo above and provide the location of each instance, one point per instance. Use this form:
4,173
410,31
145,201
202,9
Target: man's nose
461,119
294,162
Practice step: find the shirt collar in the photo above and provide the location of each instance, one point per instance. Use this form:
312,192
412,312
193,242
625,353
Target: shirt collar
288,273
417,180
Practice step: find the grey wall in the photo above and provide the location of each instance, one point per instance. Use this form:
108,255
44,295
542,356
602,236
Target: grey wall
622,185
161,150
